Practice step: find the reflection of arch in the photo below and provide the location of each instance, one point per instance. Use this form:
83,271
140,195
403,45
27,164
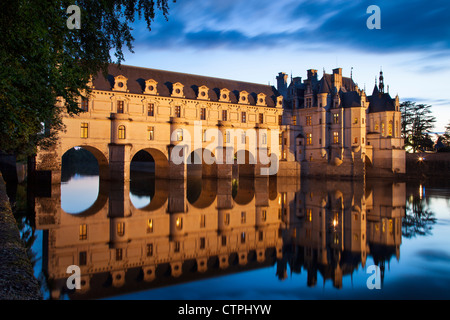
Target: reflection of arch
99,203
245,162
202,162
368,162
160,159
102,160
201,193
245,191
161,194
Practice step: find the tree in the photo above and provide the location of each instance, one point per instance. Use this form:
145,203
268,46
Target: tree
417,122
43,60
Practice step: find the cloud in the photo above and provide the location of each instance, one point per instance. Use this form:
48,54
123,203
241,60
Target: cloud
411,25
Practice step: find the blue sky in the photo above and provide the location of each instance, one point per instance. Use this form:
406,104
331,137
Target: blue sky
253,40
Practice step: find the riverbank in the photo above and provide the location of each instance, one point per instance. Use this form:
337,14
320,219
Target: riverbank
17,281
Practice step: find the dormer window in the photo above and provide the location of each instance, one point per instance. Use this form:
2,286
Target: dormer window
280,101
261,99
224,95
151,87
177,90
243,97
203,93
120,83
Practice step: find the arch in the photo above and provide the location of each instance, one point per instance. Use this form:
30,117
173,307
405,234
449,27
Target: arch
160,196
202,162
201,193
245,163
97,206
245,191
102,159
160,159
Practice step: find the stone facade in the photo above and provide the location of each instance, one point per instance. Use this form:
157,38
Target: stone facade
315,127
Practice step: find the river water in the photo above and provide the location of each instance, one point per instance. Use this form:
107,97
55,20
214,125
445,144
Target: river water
244,238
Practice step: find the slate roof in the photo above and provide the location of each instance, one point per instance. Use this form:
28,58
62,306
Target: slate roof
379,102
137,76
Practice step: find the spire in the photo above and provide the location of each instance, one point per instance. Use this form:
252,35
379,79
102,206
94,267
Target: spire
381,85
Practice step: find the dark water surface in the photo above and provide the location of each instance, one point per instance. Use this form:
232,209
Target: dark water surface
273,238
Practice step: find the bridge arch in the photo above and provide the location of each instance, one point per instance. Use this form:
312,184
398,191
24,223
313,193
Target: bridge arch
160,159
202,162
100,156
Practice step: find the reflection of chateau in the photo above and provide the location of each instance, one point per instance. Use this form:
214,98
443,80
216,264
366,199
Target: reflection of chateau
224,227
314,127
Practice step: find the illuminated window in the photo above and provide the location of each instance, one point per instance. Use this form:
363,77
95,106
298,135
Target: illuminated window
149,225
176,246
151,109
121,132
308,120
309,138
355,121
335,118
382,128
264,215
280,139
243,217
180,135
335,137
83,232
179,223
151,133
84,104
203,114
120,106
377,126
84,130
244,117
309,214
178,111
356,140
280,120
121,229
294,120
224,115
390,128
261,118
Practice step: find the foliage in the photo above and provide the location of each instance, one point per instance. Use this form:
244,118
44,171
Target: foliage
417,122
43,61
418,220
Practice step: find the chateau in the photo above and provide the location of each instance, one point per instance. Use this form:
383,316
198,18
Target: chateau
325,127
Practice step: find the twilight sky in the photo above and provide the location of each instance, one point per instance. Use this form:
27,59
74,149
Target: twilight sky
254,40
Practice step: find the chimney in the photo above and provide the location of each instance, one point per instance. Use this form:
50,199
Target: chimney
312,75
282,83
337,78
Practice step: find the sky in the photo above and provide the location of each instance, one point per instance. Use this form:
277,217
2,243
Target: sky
254,40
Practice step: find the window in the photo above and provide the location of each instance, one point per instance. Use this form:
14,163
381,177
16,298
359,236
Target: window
309,138
176,246
280,139
377,126
180,135
203,114
202,221
121,229
119,254
308,120
84,104
204,135
228,136
121,132
264,215
84,130
178,111
280,120
149,249
261,118
261,236
83,232
362,140
264,139
243,216
355,121
151,109
120,106
202,243
294,120
179,223
242,237
244,117
355,140
224,115
149,225
390,128
335,137
335,118
151,133
82,258
227,219
309,102
224,241
382,128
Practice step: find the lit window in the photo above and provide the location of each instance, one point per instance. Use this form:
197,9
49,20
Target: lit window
83,232
263,215
294,120
355,121
149,249
382,128
151,133
308,120
149,225
243,217
309,138
356,140
180,135
119,254
335,118
202,221
176,246
84,130
377,126
390,128
179,223
121,132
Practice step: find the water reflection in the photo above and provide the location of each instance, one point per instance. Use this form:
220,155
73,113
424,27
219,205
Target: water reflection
200,228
